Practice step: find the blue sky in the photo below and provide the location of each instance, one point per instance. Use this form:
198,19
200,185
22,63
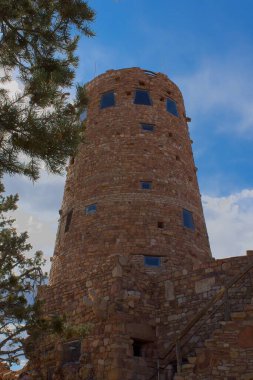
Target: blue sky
205,47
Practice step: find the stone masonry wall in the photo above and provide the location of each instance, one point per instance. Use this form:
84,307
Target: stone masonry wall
123,303
228,354
115,156
118,302
98,274
187,291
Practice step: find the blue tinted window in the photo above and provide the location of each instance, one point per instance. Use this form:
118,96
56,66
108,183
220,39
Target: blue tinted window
83,115
152,261
188,219
148,127
172,107
107,100
91,209
146,185
142,97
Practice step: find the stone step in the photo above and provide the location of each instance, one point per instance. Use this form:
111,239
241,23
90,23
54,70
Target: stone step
209,342
228,324
187,367
249,314
192,359
179,377
237,315
216,332
248,307
198,350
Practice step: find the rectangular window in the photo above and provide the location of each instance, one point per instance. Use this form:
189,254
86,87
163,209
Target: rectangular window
107,100
188,219
71,352
171,106
146,185
147,127
152,261
50,373
142,97
91,209
68,220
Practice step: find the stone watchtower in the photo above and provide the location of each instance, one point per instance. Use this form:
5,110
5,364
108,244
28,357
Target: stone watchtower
131,219
132,188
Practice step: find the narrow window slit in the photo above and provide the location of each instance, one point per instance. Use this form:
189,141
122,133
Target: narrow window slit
68,220
188,221
171,107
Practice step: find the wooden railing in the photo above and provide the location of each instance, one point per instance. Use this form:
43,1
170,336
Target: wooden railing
174,351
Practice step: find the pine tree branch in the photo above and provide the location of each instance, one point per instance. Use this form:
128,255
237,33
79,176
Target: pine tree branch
11,336
25,40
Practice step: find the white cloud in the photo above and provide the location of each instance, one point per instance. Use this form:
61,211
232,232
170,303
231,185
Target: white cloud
13,86
221,87
37,211
230,223
229,219
39,203
41,230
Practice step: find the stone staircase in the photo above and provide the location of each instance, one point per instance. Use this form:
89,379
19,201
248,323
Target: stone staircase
227,354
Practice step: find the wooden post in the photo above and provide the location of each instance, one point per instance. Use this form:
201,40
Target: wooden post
226,305
179,358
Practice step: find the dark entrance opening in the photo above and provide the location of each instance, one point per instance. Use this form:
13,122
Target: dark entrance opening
140,347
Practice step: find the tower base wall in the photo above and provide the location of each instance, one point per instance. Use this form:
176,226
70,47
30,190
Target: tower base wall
134,315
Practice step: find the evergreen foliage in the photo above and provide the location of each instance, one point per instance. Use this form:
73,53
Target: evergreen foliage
38,40
40,125
19,276
20,311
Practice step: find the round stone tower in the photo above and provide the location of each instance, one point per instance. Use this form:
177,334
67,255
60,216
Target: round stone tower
132,188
